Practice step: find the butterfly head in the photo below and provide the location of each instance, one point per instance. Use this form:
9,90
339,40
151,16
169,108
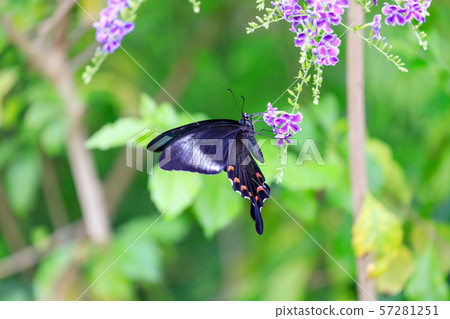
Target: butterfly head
245,118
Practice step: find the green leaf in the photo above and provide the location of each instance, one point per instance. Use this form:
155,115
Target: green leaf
53,137
377,230
114,284
301,204
115,134
147,107
142,262
51,270
218,205
8,77
8,148
39,114
164,231
173,191
428,280
393,176
311,176
22,181
289,281
397,267
165,117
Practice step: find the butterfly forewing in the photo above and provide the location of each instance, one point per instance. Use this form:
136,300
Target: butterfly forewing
202,148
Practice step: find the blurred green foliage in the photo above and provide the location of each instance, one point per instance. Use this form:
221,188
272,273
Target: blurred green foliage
205,247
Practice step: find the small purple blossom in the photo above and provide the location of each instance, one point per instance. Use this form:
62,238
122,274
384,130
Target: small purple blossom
375,2
270,115
394,14
292,12
414,9
282,138
301,40
110,29
315,5
376,25
288,122
337,6
283,125
328,50
326,18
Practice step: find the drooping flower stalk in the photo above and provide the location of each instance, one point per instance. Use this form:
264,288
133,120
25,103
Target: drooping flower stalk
115,22
314,22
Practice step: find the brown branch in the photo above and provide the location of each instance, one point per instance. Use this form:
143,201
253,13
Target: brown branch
8,224
357,136
28,257
54,65
83,57
117,181
52,22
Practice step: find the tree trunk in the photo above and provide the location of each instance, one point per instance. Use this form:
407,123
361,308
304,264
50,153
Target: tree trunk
356,136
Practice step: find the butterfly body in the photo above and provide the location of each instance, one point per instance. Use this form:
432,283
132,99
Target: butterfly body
212,146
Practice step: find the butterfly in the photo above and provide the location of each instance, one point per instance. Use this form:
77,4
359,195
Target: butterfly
212,146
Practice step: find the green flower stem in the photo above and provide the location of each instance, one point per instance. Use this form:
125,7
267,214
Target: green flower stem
394,59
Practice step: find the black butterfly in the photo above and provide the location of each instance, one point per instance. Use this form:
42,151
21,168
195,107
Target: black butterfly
212,146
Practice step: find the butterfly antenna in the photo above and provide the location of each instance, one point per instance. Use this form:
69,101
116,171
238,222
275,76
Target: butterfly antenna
243,102
235,103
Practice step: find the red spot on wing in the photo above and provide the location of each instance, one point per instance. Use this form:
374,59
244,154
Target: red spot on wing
243,188
237,180
230,168
250,194
258,175
260,188
256,198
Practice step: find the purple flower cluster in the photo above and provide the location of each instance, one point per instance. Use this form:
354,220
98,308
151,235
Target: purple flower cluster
400,15
313,25
110,29
376,26
283,124
328,50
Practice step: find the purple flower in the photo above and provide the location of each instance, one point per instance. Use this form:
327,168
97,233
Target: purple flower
394,14
270,115
337,6
375,2
327,50
414,9
292,12
316,5
282,138
301,40
110,29
325,18
288,122
376,25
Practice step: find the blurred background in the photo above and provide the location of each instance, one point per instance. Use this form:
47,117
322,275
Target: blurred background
69,205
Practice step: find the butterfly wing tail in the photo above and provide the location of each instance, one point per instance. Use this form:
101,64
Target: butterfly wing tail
255,212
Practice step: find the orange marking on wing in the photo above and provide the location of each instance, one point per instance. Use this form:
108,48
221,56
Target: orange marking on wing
260,188
256,198
258,175
230,168
237,180
250,194
243,188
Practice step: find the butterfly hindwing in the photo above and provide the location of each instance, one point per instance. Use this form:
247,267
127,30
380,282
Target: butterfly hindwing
247,179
